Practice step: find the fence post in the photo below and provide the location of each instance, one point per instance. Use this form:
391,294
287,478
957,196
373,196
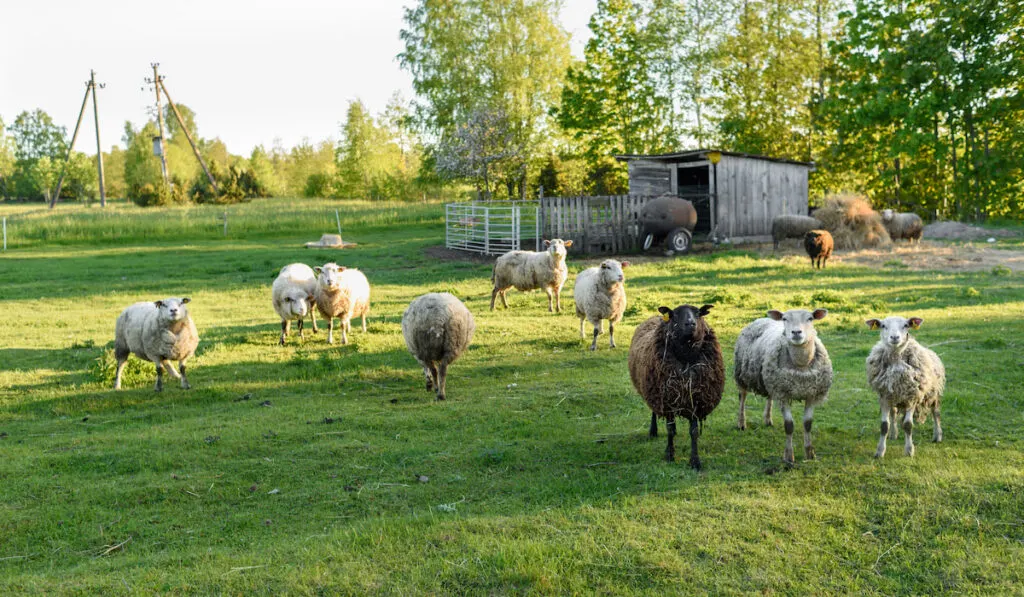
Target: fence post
447,225
536,227
487,230
5,233
338,218
225,222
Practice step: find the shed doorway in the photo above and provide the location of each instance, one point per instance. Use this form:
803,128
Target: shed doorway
693,183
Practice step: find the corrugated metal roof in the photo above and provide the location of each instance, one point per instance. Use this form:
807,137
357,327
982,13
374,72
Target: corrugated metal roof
691,155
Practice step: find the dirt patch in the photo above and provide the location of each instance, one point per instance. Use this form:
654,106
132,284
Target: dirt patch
926,256
961,231
445,254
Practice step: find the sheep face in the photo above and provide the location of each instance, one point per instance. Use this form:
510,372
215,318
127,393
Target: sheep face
556,248
895,331
798,324
297,303
329,276
683,324
611,272
173,309
887,215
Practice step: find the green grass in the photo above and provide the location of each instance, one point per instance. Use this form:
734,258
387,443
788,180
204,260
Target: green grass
537,475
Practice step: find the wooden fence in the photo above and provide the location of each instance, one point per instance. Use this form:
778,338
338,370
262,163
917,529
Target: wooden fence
609,224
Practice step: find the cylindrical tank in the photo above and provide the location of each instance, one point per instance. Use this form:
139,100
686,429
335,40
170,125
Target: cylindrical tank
664,214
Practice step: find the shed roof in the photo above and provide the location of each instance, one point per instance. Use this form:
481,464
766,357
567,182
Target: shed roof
701,154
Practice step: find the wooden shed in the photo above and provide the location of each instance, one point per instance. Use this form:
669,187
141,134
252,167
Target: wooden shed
736,194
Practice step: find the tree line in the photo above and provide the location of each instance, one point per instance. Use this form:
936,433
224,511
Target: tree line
917,103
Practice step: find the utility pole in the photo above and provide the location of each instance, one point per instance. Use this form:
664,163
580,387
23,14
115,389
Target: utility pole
184,129
156,82
63,171
99,148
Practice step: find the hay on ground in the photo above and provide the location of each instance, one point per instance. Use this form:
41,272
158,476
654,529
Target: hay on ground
852,222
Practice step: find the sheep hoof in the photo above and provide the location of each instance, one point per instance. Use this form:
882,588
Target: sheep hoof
670,457
741,426
430,386
879,454
695,464
809,453
439,398
593,347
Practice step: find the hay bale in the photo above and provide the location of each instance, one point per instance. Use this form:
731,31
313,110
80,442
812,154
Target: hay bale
852,222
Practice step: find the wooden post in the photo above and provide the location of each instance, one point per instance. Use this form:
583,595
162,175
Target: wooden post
160,123
63,171
5,233
225,222
99,148
181,122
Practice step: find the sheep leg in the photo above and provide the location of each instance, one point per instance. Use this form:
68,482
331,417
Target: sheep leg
494,295
597,332
159,378
346,325
808,422
442,377
694,434
908,431
741,420
363,317
654,426
184,380
787,417
302,330
504,303
558,299
937,437
581,329
887,412
330,330
551,298
768,413
285,328
611,333
894,428
312,318
670,427
122,360
426,373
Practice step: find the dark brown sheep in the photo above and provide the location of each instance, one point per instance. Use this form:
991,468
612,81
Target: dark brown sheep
818,244
676,365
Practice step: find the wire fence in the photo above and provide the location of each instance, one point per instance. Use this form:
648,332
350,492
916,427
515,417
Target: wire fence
492,227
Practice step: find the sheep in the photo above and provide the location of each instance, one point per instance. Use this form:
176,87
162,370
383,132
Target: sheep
159,332
343,293
675,363
599,294
907,377
437,328
792,226
818,244
782,358
293,295
903,225
530,270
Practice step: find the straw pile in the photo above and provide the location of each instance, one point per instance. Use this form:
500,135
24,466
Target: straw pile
852,222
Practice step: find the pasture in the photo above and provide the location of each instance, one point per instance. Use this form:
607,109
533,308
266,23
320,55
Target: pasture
317,469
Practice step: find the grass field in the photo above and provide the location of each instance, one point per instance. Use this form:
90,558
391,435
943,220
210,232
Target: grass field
316,469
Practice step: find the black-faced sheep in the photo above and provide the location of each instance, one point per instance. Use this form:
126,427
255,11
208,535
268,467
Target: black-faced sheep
343,293
819,245
676,365
293,295
159,332
437,328
780,357
792,226
907,377
907,226
600,293
530,270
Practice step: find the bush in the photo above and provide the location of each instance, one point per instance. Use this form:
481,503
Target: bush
148,194
236,185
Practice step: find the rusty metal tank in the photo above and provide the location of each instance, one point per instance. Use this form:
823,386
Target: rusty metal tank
668,219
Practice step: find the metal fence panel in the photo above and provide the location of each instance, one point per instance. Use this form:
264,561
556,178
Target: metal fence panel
492,227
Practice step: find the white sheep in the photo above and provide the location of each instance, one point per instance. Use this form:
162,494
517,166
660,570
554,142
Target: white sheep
293,295
343,293
600,293
780,357
903,225
907,377
437,328
530,270
792,226
159,332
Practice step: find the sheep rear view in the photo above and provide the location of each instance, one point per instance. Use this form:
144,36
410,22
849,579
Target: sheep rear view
343,293
819,245
792,226
907,377
600,293
675,363
781,358
530,270
437,329
160,332
293,295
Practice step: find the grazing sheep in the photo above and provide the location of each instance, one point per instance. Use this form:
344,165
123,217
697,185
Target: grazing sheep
437,328
907,377
676,365
818,244
903,225
343,293
159,332
530,270
293,294
600,294
780,357
791,226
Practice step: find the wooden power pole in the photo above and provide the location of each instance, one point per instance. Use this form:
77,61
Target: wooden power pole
155,82
184,129
90,87
99,148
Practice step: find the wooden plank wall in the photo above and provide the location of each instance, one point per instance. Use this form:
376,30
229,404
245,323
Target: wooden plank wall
752,192
596,225
650,178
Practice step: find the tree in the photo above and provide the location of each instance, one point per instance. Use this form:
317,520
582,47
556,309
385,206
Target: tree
35,136
482,150
7,161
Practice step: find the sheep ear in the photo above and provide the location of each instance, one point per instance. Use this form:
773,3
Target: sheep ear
705,310
776,315
158,304
341,268
873,324
666,313
318,269
547,243
915,322
819,313
625,264
568,243
186,300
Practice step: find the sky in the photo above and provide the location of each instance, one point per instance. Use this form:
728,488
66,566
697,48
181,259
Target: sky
255,72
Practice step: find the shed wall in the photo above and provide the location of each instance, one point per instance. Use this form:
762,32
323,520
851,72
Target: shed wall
650,178
752,192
